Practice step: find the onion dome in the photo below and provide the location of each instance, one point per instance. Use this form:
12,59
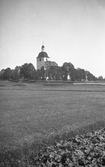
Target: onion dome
42,54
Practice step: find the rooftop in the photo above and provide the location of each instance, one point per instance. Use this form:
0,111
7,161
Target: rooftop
43,54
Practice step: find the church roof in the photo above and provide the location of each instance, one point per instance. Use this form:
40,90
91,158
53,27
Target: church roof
42,55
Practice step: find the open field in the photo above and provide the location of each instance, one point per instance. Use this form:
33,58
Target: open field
32,112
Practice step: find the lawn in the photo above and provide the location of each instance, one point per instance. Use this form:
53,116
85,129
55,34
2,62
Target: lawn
32,112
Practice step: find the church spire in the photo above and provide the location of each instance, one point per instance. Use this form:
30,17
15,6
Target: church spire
42,48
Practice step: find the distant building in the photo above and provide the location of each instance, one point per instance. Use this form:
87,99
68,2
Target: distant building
42,58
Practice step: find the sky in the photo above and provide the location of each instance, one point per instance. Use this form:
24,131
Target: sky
71,31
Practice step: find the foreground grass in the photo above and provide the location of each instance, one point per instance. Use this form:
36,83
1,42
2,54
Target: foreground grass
51,152
31,114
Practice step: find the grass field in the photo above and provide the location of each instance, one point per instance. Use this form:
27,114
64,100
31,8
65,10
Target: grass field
32,112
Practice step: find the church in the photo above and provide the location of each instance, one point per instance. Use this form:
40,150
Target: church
43,60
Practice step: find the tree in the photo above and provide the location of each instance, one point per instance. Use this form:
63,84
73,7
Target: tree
28,71
81,75
100,78
7,74
68,69
1,74
40,74
54,73
15,74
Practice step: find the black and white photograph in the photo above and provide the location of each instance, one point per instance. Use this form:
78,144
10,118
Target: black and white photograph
52,83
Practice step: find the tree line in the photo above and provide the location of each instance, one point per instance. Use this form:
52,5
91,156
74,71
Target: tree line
28,72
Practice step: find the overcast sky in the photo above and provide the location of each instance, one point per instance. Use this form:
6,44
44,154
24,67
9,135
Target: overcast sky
72,31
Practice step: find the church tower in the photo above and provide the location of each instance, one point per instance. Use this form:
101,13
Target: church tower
42,58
